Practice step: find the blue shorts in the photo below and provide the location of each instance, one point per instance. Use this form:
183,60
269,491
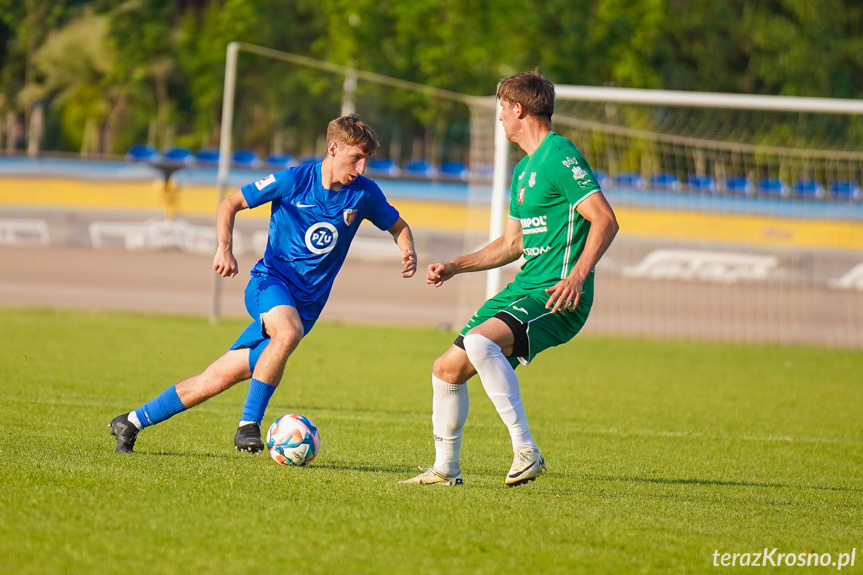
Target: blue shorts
263,293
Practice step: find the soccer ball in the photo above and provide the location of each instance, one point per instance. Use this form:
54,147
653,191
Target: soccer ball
293,440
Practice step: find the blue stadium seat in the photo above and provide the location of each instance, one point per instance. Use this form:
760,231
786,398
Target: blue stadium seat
207,157
419,169
178,156
454,170
245,159
629,179
664,182
846,191
382,167
281,161
601,178
142,153
806,188
773,187
739,185
701,183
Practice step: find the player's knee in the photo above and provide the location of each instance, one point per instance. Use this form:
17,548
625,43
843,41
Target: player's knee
439,368
453,369
479,347
284,334
285,341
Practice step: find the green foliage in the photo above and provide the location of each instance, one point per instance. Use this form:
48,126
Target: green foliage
792,36
162,62
660,453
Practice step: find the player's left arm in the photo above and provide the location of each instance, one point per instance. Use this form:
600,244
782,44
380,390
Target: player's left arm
603,227
401,233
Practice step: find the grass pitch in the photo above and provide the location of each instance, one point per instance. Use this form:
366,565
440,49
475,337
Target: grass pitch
659,454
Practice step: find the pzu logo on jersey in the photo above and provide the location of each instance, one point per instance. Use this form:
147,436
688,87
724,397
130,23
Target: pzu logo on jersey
321,237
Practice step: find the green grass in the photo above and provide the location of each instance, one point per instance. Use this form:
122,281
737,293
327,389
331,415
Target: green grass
659,453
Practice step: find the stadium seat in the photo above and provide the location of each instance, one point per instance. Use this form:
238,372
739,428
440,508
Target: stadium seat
629,180
773,187
739,185
419,169
281,161
601,178
808,189
382,167
245,159
454,170
846,191
207,157
178,156
701,183
142,153
664,182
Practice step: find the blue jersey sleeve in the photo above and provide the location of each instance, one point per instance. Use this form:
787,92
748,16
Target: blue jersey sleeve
378,209
273,187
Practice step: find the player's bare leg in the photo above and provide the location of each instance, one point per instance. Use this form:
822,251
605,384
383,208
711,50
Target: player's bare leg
227,370
231,368
285,330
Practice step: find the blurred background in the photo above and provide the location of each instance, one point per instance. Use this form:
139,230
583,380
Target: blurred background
739,221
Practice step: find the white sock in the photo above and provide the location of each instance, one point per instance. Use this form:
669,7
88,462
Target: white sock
133,419
501,384
450,404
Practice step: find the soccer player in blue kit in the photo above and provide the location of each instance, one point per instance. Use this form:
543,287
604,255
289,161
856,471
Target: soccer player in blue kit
316,210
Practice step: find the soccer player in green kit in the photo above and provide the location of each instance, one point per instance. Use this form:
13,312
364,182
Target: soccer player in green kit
561,223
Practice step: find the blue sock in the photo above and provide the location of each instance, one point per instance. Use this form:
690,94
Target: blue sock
166,404
257,400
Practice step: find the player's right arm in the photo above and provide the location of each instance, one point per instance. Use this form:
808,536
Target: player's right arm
224,263
500,252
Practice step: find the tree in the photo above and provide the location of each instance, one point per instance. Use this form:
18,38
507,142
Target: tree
72,66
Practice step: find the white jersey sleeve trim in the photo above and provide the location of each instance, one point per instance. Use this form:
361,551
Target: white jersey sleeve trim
596,191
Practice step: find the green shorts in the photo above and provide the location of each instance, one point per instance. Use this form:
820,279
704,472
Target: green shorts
534,327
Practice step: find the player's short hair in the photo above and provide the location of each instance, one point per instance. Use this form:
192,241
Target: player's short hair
532,90
351,130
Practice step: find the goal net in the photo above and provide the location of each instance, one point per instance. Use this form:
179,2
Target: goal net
741,216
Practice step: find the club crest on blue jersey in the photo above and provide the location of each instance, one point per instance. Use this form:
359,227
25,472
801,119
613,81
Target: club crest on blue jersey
349,216
321,237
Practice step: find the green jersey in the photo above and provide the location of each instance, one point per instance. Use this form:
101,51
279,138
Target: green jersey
547,186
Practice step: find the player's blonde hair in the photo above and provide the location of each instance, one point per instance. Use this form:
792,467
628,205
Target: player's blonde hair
351,130
532,90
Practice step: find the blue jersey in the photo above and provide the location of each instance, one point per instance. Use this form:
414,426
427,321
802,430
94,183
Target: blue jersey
311,229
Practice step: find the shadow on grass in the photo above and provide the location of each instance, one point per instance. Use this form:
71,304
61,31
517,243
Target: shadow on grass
313,465
715,483
189,454
365,468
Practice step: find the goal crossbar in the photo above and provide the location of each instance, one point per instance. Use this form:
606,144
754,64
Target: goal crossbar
710,99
